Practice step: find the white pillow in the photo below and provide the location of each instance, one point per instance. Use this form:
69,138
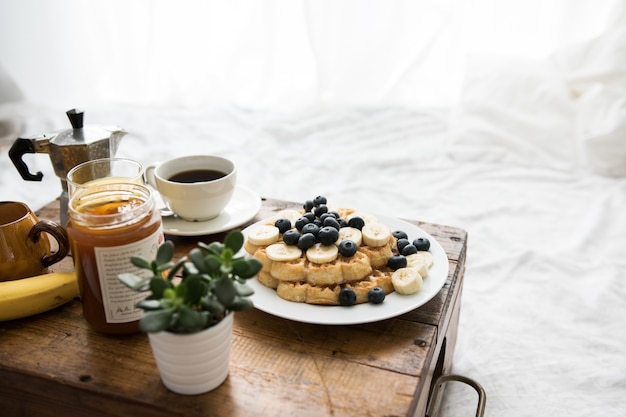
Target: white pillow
602,122
596,73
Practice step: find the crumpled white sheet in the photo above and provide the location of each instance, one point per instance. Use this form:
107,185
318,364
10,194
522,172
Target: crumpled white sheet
543,315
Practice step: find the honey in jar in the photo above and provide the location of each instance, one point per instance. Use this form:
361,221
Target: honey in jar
109,223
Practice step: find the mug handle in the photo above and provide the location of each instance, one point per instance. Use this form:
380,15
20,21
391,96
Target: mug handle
58,233
149,174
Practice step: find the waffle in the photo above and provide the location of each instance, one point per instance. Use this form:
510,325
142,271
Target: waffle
300,280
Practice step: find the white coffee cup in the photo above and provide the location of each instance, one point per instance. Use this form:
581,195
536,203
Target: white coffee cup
195,187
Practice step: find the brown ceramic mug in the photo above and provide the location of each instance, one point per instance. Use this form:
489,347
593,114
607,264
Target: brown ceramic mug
24,252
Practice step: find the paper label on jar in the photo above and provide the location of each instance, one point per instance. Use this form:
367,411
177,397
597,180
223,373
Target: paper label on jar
119,301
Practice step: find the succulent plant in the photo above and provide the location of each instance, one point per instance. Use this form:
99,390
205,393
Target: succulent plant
198,290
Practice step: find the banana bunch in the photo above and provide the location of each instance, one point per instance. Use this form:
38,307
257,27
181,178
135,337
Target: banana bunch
28,296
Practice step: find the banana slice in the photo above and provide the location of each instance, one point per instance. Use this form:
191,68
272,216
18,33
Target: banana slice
375,234
290,214
367,217
321,254
282,252
417,262
264,235
406,281
350,233
427,257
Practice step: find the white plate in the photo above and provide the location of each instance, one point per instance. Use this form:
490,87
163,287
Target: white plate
244,205
265,299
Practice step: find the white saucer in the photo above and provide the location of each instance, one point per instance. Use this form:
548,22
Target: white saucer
243,206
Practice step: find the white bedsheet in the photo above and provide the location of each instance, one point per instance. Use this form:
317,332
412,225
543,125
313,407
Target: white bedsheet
543,319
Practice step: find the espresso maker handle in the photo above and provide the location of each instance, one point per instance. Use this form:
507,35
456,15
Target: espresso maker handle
19,148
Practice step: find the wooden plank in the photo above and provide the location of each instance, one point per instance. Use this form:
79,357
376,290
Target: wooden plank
273,360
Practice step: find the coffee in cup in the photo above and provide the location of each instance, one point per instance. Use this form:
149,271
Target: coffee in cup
195,187
24,250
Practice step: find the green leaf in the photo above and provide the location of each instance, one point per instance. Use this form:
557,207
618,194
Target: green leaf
197,258
196,288
140,262
155,321
213,263
227,256
215,248
158,286
240,304
234,241
158,268
246,268
149,304
176,268
213,306
243,290
225,290
165,252
190,320
181,290
189,269
134,282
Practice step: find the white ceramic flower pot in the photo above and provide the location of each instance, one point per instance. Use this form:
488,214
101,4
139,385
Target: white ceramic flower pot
194,363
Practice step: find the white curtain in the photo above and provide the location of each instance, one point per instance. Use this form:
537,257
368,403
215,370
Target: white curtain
276,54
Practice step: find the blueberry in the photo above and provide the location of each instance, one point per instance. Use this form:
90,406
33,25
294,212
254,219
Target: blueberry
342,222
356,222
422,243
306,241
331,222
347,248
408,250
308,205
376,295
310,228
283,225
328,235
319,200
396,262
301,222
291,237
401,243
318,223
309,216
334,214
321,209
323,216
400,234
347,297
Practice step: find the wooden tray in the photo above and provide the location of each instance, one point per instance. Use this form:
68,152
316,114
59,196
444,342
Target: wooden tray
53,363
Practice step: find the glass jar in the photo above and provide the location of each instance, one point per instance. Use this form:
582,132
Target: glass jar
109,223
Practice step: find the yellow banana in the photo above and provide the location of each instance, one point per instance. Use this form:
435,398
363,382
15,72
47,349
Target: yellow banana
28,296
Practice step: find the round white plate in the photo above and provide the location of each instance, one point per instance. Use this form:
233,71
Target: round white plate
244,205
265,299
